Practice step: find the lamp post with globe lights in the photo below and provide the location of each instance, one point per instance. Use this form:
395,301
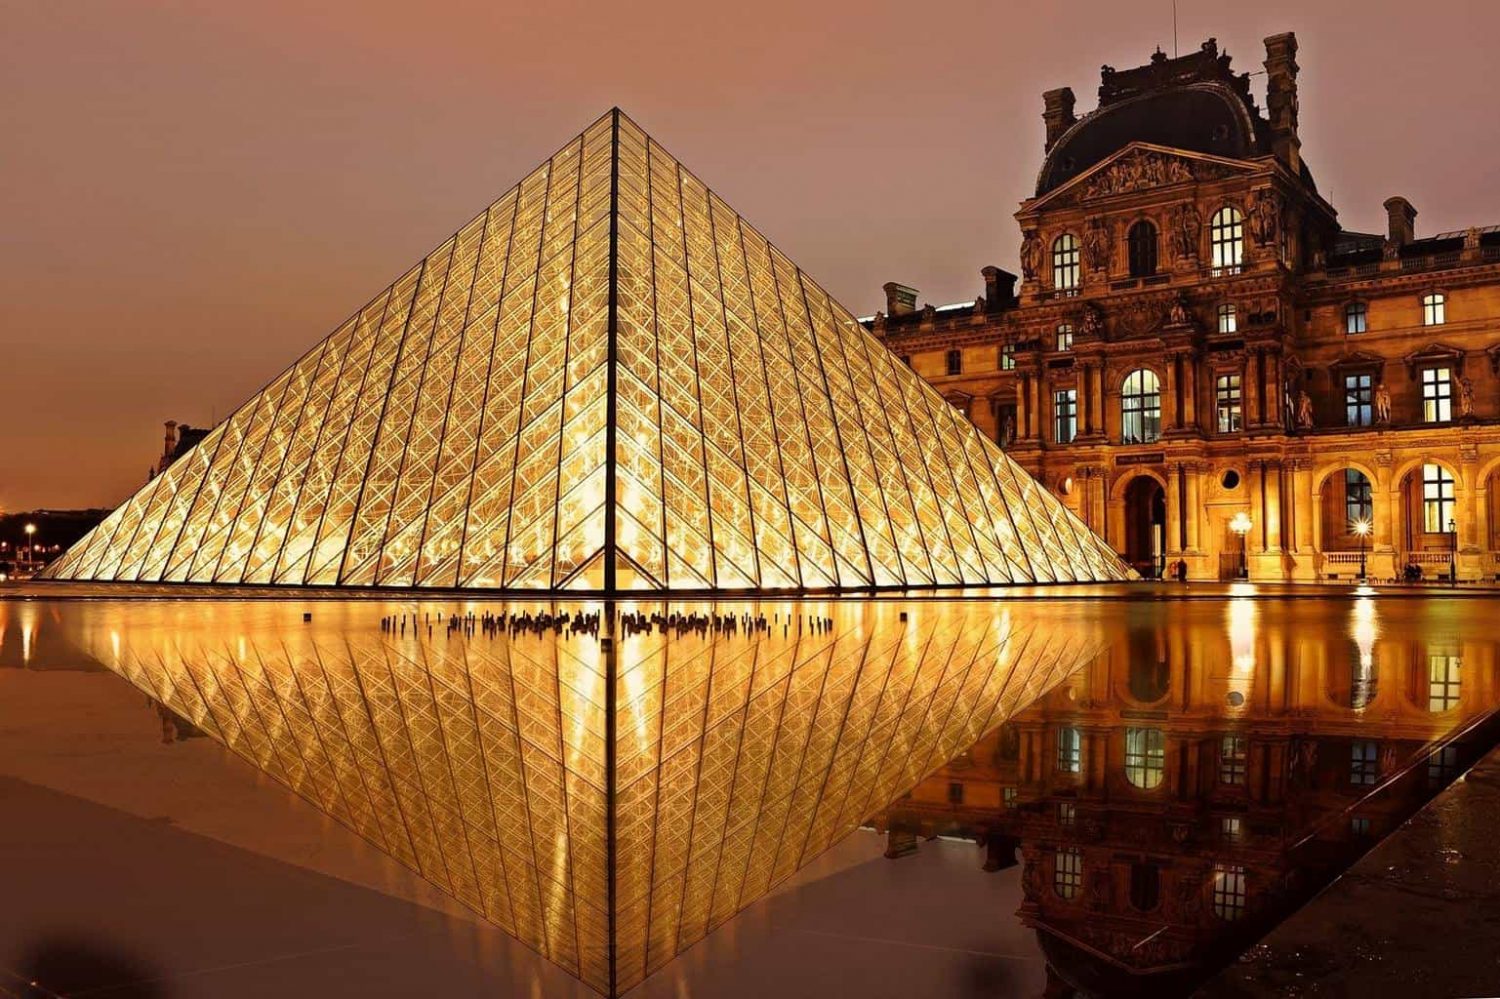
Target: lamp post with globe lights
1240,524
30,530
1362,529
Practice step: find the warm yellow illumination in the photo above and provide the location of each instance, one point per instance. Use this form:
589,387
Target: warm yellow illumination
1362,527
1240,523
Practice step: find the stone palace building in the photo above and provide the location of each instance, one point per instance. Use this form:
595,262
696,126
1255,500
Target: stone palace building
1207,367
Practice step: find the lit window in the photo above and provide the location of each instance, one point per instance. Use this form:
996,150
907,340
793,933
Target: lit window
1231,828
1065,409
1228,319
1229,891
1359,825
1007,357
1008,797
1437,499
1067,875
1065,336
1359,498
1437,395
955,360
1356,317
1065,263
1364,767
1443,682
1140,407
1069,750
955,792
1141,242
1434,309
1145,756
1067,813
1227,403
1232,759
1359,400
1226,234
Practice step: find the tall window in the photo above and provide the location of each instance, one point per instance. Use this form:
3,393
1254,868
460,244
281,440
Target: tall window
1231,828
1359,498
1007,357
1227,403
1069,750
1067,875
1065,263
1065,409
1140,407
1233,759
1356,317
1437,499
1067,813
1145,756
1437,395
1141,242
1442,766
955,361
1229,891
1443,682
1226,235
1228,319
1364,763
1359,400
1434,309
1065,336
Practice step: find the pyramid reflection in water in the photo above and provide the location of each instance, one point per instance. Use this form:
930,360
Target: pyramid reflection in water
484,762
606,381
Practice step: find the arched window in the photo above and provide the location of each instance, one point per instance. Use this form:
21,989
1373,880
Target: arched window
1065,263
1141,243
1226,235
1359,500
1145,757
1140,407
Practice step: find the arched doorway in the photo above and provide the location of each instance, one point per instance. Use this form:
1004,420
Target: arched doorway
1428,536
1146,527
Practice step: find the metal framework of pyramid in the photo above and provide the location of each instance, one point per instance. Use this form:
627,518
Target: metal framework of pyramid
607,381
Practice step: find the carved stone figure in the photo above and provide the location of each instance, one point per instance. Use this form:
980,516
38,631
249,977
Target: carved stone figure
1031,254
1465,397
1304,410
1137,172
1093,323
1382,403
1265,218
1096,242
1177,313
1187,225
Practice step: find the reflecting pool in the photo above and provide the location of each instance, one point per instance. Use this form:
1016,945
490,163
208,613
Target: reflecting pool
1164,779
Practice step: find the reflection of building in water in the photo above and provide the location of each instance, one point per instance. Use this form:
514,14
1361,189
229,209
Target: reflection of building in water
484,761
1167,809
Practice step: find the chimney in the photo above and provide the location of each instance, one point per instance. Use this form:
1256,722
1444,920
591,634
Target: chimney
1058,114
999,288
171,439
1281,99
899,299
1401,221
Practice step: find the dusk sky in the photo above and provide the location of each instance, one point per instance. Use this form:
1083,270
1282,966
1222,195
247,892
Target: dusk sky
195,192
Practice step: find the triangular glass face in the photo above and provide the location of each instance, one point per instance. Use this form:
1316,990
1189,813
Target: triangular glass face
609,824
607,381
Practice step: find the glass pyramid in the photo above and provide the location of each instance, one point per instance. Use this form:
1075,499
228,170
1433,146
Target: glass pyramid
609,824
607,381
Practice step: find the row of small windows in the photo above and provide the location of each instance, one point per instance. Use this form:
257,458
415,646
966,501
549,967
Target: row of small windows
1434,313
1226,234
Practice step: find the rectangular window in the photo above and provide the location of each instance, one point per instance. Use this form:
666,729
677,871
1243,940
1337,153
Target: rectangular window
1008,796
1442,766
1067,813
1231,828
1356,317
1007,357
1359,498
955,792
1228,404
1434,310
1437,499
1437,395
1443,682
1065,410
1233,758
1359,400
1359,825
1145,756
955,362
1065,337
1228,320
1364,765
1229,891
1069,750
1067,877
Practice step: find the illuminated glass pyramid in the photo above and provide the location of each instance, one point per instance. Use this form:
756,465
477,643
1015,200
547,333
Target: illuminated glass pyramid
608,328
607,805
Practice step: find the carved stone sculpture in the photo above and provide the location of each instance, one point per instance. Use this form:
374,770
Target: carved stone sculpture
1382,403
1031,254
1096,241
1265,218
1465,397
1187,225
1137,172
1304,410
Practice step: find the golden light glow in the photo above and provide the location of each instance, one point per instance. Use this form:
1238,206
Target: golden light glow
455,432
1240,523
1362,527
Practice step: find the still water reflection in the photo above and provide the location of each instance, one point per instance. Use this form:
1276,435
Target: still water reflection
1170,778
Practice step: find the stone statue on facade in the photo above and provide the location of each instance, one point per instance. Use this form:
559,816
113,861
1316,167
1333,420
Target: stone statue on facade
1465,397
1177,312
1304,410
1265,218
1093,323
1096,242
1187,225
1031,254
1382,403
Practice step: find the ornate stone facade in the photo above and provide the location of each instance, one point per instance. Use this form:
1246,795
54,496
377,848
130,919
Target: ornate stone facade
1195,337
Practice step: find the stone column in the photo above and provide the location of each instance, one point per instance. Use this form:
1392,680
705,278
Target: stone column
1170,400
1195,504
1023,398
1190,390
1174,518
1252,387
1099,417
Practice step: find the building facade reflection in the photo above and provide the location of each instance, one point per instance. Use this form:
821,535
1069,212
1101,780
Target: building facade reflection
1204,777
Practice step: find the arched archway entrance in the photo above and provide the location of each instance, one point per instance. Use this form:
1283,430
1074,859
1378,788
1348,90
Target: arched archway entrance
1146,526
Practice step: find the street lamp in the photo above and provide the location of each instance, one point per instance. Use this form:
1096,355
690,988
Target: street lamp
1240,524
1362,528
30,530
1452,552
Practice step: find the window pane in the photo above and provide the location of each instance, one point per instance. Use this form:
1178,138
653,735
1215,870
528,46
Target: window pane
1140,407
1065,408
1227,403
1227,238
1067,876
1145,756
1437,395
1356,317
1437,499
1069,750
1359,400
1065,263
